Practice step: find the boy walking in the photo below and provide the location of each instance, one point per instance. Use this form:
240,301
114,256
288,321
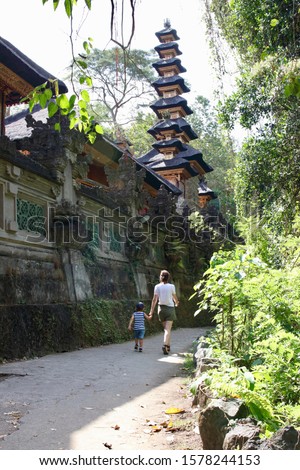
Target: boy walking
138,321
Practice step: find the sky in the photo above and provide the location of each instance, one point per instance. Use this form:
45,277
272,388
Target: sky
43,35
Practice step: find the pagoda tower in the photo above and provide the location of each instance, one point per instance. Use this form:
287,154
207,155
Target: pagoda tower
172,156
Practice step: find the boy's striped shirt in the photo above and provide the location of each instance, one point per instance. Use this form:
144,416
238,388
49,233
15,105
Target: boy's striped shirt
139,321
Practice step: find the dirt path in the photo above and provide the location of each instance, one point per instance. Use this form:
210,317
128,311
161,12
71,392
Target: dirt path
94,397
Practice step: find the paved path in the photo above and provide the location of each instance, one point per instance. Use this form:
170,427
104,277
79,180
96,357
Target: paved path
74,400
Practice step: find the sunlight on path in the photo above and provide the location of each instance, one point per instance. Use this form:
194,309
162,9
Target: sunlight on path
131,419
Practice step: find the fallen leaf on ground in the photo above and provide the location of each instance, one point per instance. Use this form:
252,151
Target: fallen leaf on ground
165,424
116,427
109,446
14,414
173,429
156,428
174,411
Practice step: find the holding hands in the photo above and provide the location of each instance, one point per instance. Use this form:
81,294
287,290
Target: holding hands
149,316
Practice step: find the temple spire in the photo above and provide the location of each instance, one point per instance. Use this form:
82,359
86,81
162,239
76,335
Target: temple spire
167,23
172,156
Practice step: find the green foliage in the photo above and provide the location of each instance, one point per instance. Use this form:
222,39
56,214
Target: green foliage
265,26
289,245
266,102
77,107
61,105
257,334
222,291
189,364
137,133
261,238
68,5
237,382
200,226
102,322
277,248
277,371
196,222
216,147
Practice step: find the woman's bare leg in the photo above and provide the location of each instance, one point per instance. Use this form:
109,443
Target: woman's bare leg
167,332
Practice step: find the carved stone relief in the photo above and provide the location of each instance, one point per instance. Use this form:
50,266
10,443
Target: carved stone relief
126,184
163,204
14,172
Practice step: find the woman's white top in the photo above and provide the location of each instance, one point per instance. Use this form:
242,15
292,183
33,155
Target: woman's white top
165,294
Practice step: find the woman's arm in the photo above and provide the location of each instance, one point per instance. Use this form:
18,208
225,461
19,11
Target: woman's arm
153,304
175,298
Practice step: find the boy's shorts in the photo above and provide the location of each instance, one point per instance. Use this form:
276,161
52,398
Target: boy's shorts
139,334
166,313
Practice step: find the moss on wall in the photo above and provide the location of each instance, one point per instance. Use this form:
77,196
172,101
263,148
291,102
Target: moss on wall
36,330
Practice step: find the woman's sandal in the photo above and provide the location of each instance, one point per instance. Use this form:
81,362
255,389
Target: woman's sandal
165,350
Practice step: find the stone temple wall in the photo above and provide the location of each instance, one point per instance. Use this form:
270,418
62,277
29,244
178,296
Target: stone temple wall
61,249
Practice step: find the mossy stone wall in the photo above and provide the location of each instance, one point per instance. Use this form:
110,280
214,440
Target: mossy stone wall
37,330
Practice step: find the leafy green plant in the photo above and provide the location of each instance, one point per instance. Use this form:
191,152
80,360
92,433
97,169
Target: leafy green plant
238,383
189,364
222,291
68,5
60,105
257,334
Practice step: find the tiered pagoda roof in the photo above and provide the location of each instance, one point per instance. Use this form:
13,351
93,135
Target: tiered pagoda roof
167,34
157,160
204,190
178,126
163,65
169,47
167,104
163,82
205,194
172,156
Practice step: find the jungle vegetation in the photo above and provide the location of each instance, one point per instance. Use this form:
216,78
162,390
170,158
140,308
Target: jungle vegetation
253,290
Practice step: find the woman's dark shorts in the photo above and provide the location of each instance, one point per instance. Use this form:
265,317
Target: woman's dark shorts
166,313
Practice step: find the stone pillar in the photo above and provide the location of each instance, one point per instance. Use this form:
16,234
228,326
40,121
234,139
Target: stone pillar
10,207
78,282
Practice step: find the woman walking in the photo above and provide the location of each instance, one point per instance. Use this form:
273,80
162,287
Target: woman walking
165,296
